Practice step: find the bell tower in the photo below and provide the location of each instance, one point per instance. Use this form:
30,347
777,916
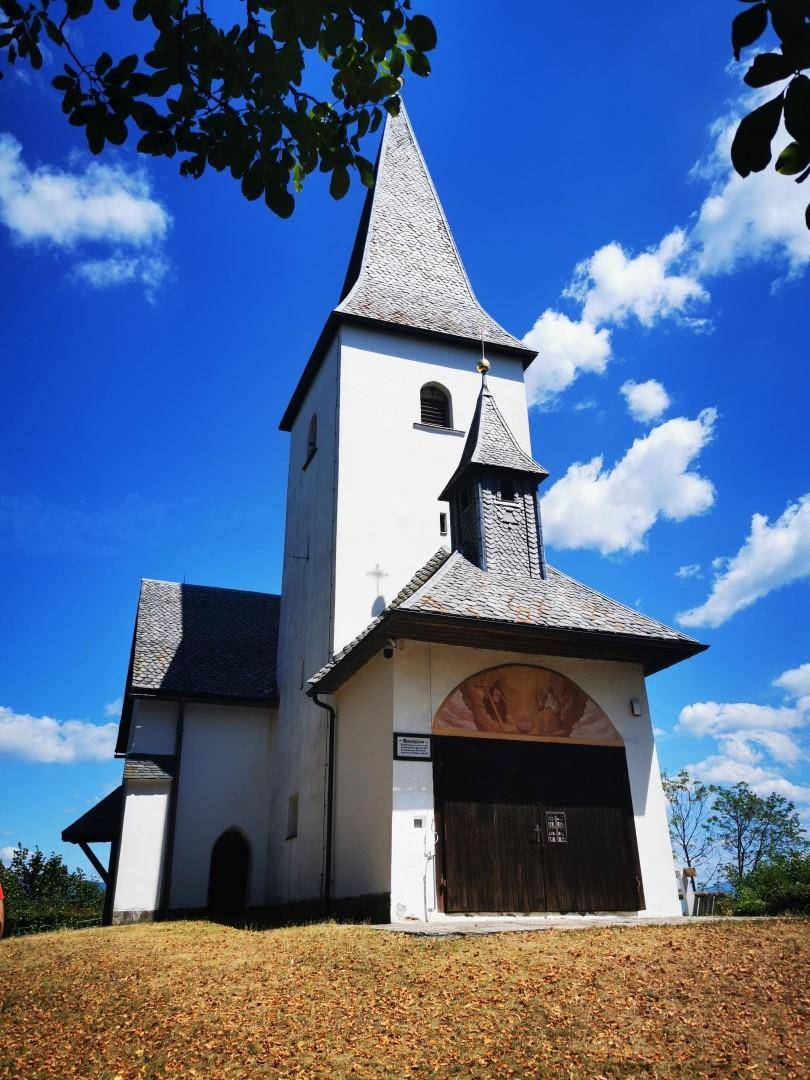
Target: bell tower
494,516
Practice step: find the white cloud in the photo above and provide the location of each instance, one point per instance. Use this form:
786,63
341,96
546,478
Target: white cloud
113,708
796,682
772,556
611,285
6,854
756,219
120,269
690,570
612,510
646,401
754,742
745,220
43,739
99,204
566,348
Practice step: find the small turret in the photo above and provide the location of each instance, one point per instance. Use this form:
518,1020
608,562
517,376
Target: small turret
494,516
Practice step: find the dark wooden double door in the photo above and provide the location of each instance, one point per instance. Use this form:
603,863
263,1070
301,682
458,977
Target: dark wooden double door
527,826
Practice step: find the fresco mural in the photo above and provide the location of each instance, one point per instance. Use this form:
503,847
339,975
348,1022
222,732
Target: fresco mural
521,701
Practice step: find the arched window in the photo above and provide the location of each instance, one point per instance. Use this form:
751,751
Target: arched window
312,440
435,406
228,877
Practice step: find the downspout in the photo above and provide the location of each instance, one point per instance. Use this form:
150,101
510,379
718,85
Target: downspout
168,858
330,789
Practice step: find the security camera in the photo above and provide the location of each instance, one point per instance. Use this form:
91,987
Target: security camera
388,648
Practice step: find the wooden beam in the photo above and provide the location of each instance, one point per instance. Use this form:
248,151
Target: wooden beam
97,864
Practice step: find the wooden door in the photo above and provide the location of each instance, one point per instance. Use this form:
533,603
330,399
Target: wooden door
489,827
588,832
527,826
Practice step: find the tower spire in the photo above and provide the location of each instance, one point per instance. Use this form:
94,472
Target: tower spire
405,268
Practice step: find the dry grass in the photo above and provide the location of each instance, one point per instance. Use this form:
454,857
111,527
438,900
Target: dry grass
195,999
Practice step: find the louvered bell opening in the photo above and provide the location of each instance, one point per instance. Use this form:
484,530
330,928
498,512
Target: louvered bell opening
435,407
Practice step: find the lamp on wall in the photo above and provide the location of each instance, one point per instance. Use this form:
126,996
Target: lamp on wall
635,707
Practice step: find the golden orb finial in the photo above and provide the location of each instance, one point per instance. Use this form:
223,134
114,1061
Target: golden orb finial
483,365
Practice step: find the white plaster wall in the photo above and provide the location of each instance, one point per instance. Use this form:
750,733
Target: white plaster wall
425,674
294,867
225,782
153,726
143,833
390,473
363,760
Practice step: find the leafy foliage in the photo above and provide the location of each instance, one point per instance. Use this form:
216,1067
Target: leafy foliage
779,886
232,96
42,893
754,830
691,826
751,148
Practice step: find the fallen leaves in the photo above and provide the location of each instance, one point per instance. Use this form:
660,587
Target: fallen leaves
195,999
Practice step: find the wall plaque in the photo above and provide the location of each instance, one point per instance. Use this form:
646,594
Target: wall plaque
412,747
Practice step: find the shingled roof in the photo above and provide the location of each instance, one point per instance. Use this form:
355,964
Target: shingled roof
405,267
490,442
194,641
460,604
405,271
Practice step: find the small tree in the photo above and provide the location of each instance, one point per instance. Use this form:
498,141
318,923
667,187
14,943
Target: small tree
754,830
43,893
690,818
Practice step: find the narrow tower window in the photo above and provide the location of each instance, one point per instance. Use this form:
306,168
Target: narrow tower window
435,406
443,524
312,440
507,491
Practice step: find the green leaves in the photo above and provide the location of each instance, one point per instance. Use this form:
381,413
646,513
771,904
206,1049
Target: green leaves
421,32
766,69
751,148
339,183
797,109
747,27
793,159
234,95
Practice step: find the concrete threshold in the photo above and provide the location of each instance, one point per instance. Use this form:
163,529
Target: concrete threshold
515,924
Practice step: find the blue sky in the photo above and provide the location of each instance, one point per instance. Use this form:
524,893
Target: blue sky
155,327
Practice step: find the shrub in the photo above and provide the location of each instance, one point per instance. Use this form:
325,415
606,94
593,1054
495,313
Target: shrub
43,894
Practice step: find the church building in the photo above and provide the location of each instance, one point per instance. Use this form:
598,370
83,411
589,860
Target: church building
430,720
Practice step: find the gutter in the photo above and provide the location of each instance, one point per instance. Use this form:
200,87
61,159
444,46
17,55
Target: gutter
330,796
168,855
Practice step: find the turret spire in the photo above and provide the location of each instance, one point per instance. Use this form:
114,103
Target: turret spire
495,519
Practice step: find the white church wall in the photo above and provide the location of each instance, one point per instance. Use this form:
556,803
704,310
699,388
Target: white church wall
225,782
153,727
426,674
143,834
413,848
391,473
294,867
362,806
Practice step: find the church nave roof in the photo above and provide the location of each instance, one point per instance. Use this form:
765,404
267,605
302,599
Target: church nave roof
457,603
202,642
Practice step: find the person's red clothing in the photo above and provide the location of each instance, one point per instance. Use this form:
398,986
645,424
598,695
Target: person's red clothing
1,891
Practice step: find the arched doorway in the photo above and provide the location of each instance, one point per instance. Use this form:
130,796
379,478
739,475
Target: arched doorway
228,877
532,799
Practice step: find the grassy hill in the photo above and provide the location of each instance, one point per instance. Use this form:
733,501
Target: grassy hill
197,999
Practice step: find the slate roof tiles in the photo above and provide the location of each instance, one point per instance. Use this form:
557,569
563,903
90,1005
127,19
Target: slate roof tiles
198,640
